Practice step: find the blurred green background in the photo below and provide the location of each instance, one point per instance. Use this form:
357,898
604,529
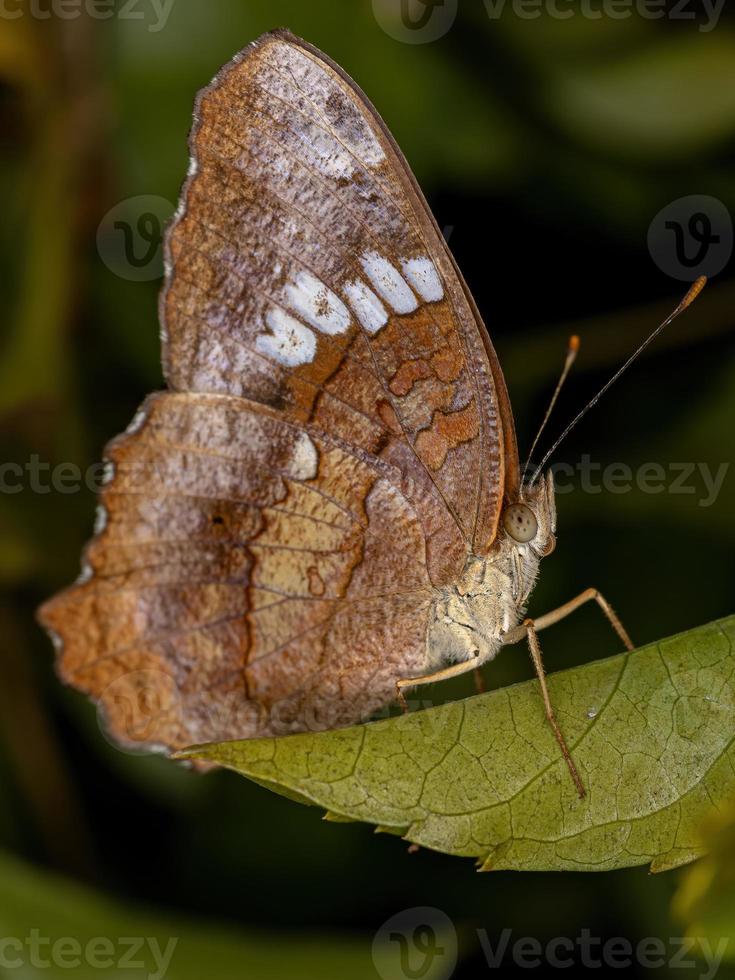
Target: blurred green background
545,147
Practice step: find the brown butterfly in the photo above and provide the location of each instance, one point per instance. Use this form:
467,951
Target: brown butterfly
326,505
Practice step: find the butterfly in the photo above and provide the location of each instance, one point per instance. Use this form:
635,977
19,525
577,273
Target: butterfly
325,506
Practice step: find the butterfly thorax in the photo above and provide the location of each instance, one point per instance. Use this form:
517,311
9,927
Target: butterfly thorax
471,617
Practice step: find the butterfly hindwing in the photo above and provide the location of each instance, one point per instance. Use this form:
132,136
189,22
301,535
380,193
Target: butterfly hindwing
244,577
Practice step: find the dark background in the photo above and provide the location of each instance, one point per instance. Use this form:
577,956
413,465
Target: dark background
545,147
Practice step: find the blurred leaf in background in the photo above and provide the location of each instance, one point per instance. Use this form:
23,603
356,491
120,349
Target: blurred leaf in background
705,901
52,927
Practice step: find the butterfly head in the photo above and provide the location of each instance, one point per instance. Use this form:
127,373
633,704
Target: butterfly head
530,522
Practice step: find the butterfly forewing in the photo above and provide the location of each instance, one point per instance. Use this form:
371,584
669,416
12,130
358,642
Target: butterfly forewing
337,440
308,274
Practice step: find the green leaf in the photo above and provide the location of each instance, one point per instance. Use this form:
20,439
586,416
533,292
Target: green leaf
53,927
639,106
651,732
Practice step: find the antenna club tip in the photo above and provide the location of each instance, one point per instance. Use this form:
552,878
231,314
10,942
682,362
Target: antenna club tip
694,291
574,343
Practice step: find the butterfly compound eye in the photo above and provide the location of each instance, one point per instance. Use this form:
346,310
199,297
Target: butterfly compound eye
520,523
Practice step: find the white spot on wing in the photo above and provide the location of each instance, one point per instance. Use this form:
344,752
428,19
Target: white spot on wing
368,309
317,304
108,472
424,278
100,519
304,461
55,639
138,422
290,343
389,282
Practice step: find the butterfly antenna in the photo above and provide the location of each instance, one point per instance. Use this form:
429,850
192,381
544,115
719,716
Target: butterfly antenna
694,291
572,351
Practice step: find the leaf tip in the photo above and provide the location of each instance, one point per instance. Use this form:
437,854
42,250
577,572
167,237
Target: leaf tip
492,860
331,817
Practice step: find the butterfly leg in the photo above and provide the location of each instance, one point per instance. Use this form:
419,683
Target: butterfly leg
530,628
454,670
535,647
550,618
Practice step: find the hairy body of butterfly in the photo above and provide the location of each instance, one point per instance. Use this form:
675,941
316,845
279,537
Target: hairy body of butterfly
326,504
473,618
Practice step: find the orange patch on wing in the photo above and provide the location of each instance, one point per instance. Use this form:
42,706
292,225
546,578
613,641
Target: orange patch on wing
446,432
389,418
407,375
447,365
